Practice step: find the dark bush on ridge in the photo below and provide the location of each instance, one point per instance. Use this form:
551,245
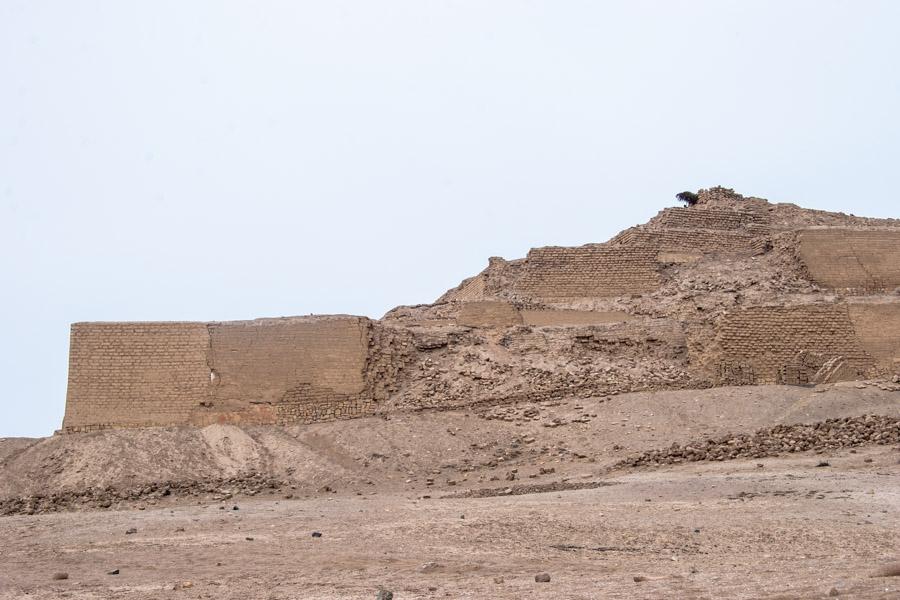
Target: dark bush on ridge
689,198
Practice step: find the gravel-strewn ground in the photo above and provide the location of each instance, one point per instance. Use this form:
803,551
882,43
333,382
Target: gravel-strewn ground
729,530
473,504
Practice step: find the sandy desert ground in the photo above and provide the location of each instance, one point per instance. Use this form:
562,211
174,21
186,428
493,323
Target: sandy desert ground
468,504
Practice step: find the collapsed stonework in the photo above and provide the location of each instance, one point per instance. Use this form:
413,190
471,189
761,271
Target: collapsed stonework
730,291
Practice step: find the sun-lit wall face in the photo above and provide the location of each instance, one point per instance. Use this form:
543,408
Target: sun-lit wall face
265,371
852,259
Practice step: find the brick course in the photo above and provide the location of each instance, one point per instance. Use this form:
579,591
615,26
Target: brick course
596,270
764,344
856,259
264,371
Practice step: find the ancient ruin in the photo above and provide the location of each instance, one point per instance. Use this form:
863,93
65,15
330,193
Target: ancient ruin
730,291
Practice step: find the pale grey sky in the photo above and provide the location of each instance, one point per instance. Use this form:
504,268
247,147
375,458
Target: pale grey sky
214,160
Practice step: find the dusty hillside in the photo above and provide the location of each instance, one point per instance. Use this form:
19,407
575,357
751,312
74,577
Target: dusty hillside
419,452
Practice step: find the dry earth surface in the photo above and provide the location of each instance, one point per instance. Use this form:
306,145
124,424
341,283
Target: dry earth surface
455,504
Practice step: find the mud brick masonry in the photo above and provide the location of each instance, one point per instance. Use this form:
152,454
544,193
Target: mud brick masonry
731,291
264,371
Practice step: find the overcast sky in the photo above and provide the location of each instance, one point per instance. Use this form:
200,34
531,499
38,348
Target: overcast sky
212,160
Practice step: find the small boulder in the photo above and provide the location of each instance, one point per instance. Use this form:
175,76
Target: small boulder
542,578
60,576
384,595
316,534
113,572
429,567
131,531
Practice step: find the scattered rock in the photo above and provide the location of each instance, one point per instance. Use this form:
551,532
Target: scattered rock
113,572
826,435
249,539
60,576
316,534
834,592
639,578
542,578
498,580
823,463
100,497
131,531
384,595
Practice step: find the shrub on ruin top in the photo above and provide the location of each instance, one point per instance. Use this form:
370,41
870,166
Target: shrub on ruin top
689,198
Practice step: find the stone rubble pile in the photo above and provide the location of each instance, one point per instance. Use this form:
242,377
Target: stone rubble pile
831,434
106,497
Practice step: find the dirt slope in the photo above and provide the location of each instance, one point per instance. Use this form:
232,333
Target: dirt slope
455,449
446,505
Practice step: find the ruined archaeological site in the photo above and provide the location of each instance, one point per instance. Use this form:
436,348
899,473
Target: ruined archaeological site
706,405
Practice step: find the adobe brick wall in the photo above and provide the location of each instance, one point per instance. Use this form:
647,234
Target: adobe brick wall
716,219
703,230
469,290
499,314
689,241
258,360
299,369
134,374
592,271
877,327
856,259
569,317
765,344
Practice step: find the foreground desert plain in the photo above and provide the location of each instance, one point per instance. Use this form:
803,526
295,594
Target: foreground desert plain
472,503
